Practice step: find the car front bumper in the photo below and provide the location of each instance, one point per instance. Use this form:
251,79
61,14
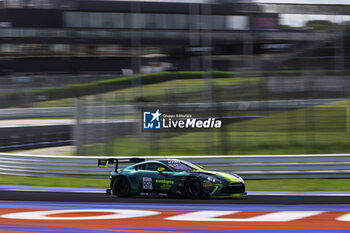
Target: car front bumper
225,191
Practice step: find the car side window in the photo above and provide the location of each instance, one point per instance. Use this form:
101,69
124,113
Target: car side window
151,167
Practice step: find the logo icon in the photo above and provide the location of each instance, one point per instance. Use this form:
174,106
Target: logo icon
151,120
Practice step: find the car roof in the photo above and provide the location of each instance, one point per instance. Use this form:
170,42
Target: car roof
166,161
161,161
169,160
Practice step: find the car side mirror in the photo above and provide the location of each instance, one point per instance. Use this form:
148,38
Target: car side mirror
160,170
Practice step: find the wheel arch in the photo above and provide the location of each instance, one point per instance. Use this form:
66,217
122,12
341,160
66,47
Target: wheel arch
126,177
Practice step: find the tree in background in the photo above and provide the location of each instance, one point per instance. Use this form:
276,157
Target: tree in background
323,25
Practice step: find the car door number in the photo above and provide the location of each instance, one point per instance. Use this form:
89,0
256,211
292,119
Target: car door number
147,182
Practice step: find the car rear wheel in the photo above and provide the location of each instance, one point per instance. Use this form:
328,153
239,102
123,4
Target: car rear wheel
194,188
121,187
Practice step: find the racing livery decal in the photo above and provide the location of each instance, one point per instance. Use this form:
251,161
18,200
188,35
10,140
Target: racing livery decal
177,178
147,182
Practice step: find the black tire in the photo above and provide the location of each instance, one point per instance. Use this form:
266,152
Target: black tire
194,188
121,187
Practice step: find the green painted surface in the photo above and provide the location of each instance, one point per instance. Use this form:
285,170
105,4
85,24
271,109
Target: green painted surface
299,185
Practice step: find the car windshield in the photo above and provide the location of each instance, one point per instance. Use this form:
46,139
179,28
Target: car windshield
181,166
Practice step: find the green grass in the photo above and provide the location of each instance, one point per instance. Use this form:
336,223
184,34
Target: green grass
65,102
65,93
53,181
252,143
315,130
181,90
300,185
175,88
13,98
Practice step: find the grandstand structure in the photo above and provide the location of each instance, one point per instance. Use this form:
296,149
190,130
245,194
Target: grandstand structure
80,36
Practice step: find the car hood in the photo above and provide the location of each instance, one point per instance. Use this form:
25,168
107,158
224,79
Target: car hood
221,175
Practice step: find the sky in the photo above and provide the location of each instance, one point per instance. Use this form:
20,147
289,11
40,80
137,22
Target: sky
308,1
299,20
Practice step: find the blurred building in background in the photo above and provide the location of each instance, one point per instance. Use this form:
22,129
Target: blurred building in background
75,36
79,36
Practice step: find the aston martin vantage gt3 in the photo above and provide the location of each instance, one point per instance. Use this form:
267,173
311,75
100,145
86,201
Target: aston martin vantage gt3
171,177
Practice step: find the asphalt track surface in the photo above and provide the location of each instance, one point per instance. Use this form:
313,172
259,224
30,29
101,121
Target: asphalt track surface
61,210
100,197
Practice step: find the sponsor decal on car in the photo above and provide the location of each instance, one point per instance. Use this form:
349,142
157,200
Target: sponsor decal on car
165,181
207,184
165,186
147,182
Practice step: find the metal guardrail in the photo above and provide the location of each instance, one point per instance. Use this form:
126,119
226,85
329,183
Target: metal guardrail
249,167
124,35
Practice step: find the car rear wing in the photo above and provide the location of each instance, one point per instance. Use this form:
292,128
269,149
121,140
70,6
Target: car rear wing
107,162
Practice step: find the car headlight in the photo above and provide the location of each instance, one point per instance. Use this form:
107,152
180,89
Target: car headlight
213,179
238,177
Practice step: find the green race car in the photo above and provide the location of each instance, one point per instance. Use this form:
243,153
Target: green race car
171,177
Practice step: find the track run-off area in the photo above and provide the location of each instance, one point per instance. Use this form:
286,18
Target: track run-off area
63,210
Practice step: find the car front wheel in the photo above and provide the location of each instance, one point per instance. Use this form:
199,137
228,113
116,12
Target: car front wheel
194,188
